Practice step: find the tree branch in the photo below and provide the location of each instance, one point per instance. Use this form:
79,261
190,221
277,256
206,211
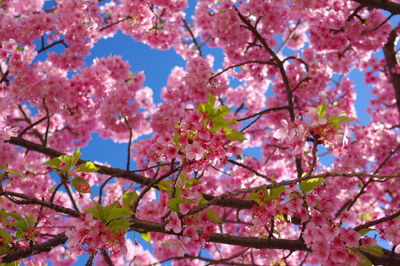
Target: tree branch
222,200
35,249
390,6
377,221
196,44
30,200
391,62
388,258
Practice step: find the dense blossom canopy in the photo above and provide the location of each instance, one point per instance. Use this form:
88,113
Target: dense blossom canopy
190,187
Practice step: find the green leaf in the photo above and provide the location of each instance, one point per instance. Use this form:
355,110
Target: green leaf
222,123
118,213
173,204
20,48
365,231
75,157
175,139
256,197
280,217
87,167
209,106
335,120
236,135
321,110
5,236
165,185
192,182
364,260
55,163
202,201
212,215
273,193
81,185
30,219
95,212
310,184
67,160
220,111
14,172
146,236
128,199
16,216
182,178
120,225
14,263
21,225
374,250
105,211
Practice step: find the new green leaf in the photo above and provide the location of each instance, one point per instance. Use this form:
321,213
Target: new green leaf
55,163
81,185
173,204
374,250
128,199
212,215
310,184
146,236
120,225
87,167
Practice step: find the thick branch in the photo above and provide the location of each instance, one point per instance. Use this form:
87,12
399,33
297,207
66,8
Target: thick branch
390,6
233,203
378,221
103,169
391,62
35,249
252,242
222,200
388,257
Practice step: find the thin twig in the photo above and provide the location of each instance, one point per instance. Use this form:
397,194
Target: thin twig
44,48
265,111
46,134
31,126
250,124
152,184
377,221
196,44
251,170
71,196
380,25
33,201
101,189
115,23
129,143
290,36
241,64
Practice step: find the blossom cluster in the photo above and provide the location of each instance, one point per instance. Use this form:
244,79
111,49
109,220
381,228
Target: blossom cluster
91,235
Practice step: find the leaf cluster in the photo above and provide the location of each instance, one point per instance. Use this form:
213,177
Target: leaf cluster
64,164
113,216
217,117
20,225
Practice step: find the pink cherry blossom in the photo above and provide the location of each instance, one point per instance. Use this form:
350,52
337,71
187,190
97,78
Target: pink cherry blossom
174,223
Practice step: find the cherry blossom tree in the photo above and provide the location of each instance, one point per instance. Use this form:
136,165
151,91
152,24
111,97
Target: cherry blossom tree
190,187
